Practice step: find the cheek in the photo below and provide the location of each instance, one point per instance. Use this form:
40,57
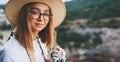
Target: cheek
47,22
30,23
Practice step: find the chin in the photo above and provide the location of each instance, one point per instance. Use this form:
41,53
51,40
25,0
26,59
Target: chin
39,29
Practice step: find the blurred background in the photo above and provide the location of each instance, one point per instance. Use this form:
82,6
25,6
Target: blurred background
89,33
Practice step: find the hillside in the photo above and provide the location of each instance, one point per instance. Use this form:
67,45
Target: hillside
93,13
92,9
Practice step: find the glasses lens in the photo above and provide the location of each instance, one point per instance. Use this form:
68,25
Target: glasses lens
46,16
34,13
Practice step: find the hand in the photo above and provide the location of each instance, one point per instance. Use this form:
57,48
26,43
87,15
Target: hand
58,48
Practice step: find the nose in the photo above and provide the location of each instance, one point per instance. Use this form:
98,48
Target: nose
41,18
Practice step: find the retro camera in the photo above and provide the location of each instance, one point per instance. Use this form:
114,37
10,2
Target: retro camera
57,57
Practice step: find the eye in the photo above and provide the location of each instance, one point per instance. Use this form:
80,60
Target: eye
34,12
46,14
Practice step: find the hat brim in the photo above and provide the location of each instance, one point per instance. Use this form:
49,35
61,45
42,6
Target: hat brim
57,7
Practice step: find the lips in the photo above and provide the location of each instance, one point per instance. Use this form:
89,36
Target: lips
39,23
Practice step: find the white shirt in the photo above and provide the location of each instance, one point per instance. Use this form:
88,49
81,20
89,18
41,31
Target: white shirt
14,52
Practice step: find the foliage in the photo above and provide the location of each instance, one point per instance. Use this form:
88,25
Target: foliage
113,23
2,6
93,11
65,38
1,36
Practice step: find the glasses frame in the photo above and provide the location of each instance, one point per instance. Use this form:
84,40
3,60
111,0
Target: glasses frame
45,16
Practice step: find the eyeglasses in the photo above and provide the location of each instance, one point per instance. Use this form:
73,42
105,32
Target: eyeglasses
35,14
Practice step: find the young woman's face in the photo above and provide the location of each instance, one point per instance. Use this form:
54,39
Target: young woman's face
38,16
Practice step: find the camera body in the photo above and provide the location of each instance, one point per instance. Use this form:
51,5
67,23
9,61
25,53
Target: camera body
57,57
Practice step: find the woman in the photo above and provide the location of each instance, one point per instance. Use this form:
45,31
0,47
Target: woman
33,35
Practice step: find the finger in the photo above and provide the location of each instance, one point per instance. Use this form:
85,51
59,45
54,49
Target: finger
58,48
61,50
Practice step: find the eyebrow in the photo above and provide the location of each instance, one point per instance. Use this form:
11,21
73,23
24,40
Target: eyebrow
37,9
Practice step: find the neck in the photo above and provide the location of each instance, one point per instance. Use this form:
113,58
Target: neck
34,35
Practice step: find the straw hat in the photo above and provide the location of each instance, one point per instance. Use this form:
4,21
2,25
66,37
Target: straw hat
57,6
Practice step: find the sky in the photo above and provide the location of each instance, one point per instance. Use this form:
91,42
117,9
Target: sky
5,1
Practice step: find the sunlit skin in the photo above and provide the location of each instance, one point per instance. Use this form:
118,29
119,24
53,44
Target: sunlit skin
38,24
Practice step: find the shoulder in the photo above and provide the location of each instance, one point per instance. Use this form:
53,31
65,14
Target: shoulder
10,51
12,45
7,56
